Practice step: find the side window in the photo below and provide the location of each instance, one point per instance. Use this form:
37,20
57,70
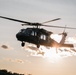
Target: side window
43,37
32,33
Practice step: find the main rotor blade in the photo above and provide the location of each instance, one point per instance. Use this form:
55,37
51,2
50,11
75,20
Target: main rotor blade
51,20
58,26
14,20
37,24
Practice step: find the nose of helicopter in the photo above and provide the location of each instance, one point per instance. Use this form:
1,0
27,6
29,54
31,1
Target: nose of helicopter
19,36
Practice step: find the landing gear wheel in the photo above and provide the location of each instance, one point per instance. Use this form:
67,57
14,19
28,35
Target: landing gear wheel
38,46
22,44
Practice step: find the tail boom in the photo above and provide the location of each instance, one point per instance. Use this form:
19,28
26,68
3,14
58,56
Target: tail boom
67,45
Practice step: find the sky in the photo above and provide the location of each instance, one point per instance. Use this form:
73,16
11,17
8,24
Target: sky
29,60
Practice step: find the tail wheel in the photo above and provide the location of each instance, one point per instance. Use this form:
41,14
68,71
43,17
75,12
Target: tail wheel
22,44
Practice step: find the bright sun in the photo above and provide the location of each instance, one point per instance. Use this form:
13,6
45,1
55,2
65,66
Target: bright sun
51,54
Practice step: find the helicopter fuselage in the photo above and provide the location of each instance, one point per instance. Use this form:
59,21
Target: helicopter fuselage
36,36
39,37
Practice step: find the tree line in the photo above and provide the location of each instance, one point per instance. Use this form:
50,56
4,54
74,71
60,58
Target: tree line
5,72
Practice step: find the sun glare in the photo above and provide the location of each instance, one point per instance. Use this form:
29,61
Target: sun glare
51,54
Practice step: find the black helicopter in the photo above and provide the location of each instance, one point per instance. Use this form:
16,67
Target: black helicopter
39,36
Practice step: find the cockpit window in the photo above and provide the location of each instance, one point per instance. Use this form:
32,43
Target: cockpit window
23,30
26,31
29,32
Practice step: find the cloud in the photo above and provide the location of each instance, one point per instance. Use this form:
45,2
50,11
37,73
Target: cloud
14,60
4,46
31,47
29,74
49,52
7,47
34,51
19,61
71,40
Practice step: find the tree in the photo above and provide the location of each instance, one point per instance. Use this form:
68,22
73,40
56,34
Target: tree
5,72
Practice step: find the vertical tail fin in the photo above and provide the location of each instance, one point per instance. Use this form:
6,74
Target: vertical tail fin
63,38
64,34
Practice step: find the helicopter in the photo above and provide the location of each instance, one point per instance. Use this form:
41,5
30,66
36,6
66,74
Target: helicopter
40,36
